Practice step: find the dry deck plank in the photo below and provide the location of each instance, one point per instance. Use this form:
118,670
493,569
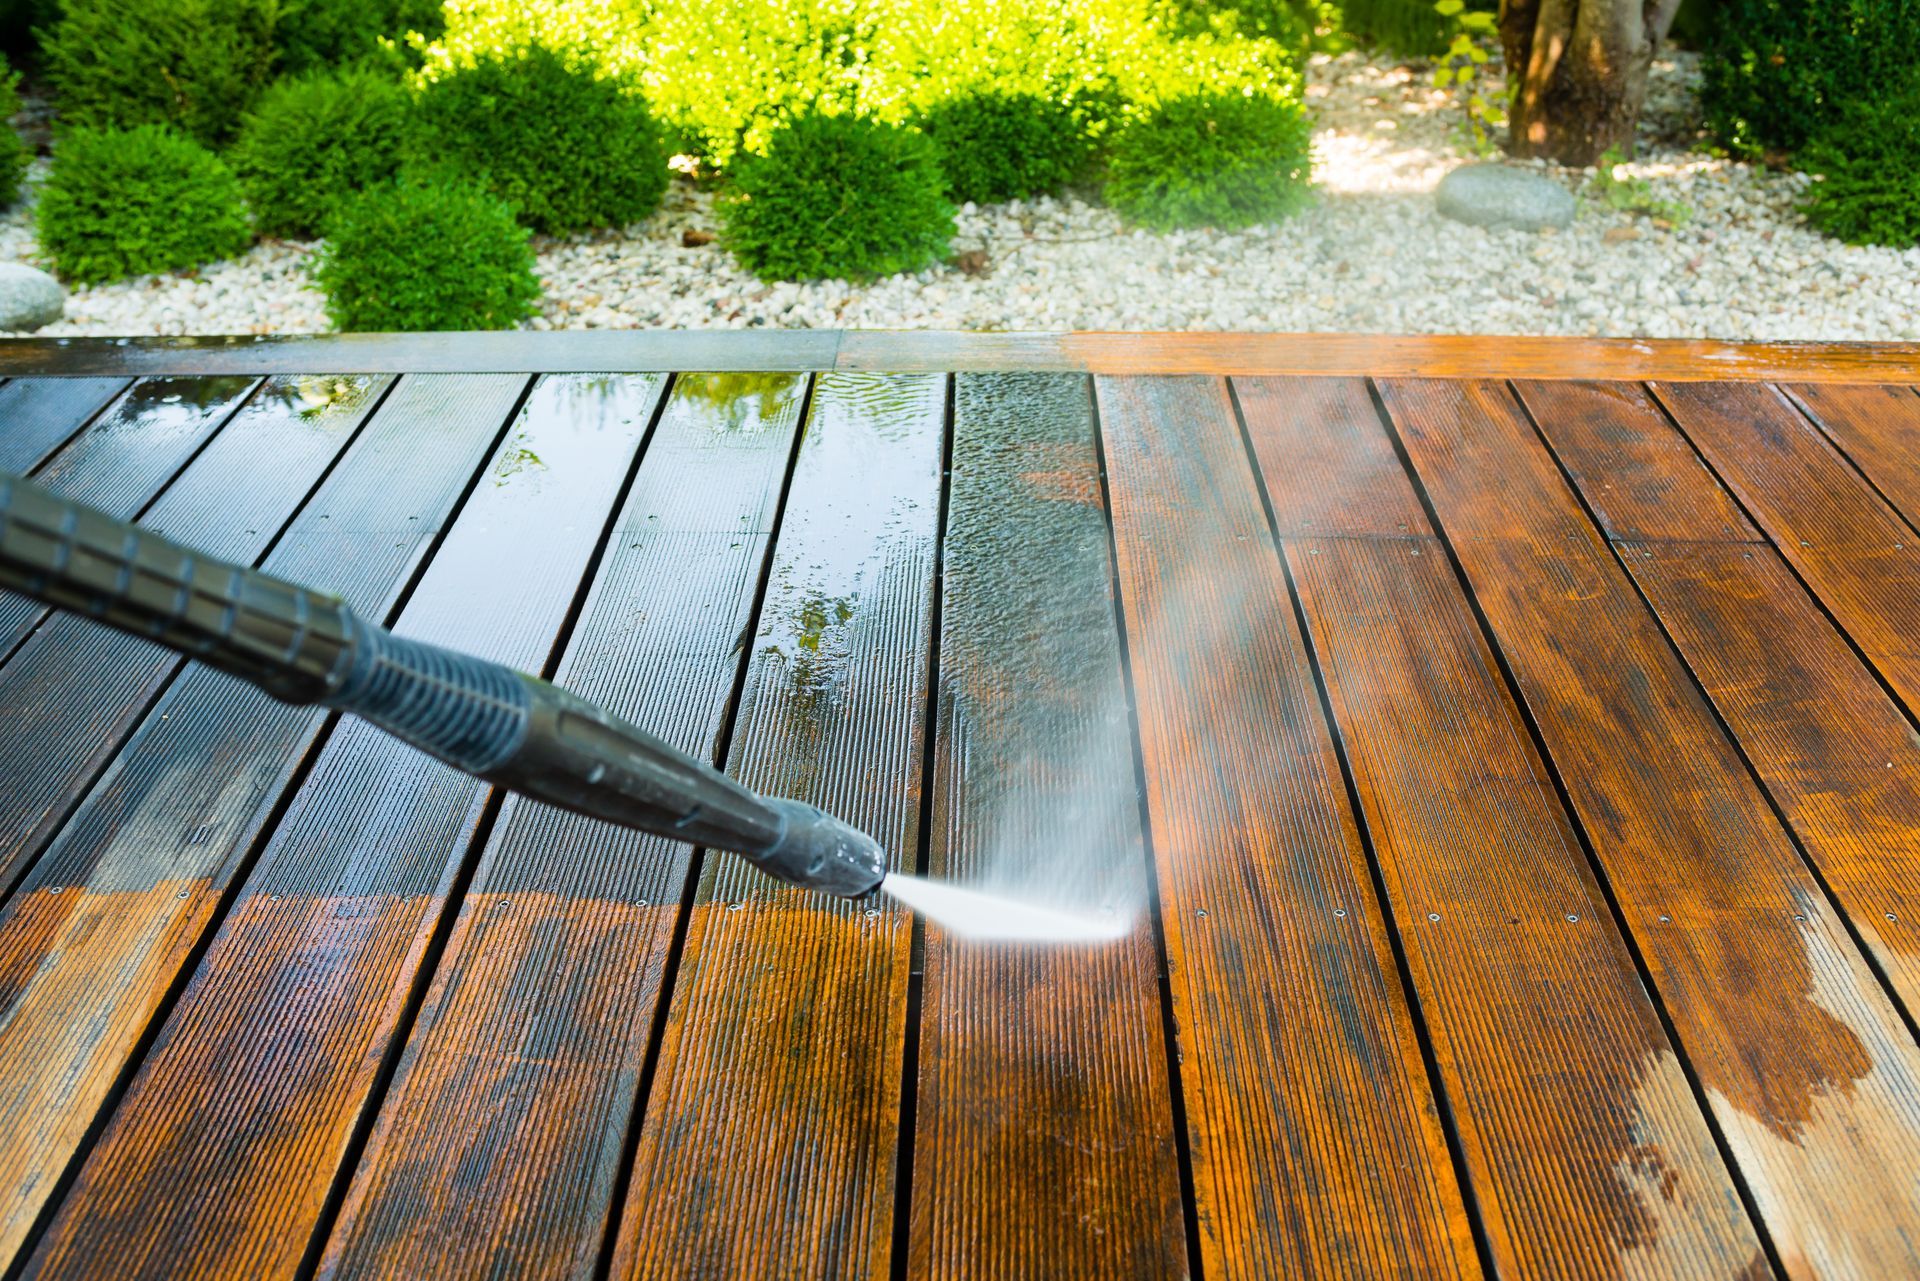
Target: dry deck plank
42,414
108,917
1043,1138
768,1142
71,692
1587,1152
1850,548
1809,1072
219,1159
502,1133
125,457
1834,751
1879,429
1315,1145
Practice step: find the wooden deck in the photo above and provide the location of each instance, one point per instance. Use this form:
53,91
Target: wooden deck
1515,741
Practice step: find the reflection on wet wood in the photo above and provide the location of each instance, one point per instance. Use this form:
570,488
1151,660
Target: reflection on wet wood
1810,1073
42,414
1587,1153
769,1141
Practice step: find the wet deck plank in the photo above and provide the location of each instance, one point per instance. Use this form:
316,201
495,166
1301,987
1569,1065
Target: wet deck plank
1587,1153
1812,1077
108,918
769,1144
548,984
652,1063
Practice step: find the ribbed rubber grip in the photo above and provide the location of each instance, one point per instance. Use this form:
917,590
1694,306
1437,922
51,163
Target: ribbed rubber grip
470,713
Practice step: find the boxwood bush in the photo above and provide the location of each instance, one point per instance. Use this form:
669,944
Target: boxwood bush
999,146
14,156
1868,167
567,147
420,255
314,34
1775,72
125,202
313,140
838,196
1224,160
194,64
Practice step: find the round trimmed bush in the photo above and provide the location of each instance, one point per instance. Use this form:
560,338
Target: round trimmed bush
567,148
418,255
328,33
1001,146
193,64
14,155
838,197
127,202
315,140
1868,163
1223,160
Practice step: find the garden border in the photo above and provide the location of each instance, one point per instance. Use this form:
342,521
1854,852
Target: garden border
820,350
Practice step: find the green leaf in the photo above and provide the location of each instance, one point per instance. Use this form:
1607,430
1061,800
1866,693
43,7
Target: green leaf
1443,77
1447,8
1478,21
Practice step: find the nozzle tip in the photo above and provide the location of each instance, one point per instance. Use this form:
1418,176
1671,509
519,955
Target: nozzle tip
820,852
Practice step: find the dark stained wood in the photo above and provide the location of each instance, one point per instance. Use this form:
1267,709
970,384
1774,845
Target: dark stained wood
1852,550
1043,1134
126,456
1588,1154
1809,1072
74,689
42,414
502,1133
768,1142
1833,750
1879,429
1315,1145
260,1074
109,915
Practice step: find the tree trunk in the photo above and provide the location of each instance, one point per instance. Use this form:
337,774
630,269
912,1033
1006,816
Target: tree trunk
1578,71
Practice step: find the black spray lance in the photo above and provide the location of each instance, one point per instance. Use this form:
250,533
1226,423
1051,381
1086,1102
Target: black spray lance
501,725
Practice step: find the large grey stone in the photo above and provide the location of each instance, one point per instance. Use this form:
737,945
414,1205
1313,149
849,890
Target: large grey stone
28,298
1499,196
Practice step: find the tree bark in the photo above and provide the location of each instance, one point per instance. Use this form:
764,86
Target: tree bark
1578,71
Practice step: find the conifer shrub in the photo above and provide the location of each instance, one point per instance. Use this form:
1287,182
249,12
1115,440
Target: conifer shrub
1225,160
427,255
315,140
127,202
838,197
570,148
1867,169
1000,146
14,155
1776,73
194,64
314,34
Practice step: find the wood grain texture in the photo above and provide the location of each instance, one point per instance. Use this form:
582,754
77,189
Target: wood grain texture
1043,1140
768,1143
219,1159
71,692
125,457
499,1141
1878,428
1850,548
1588,1154
107,919
1315,1144
1833,750
42,414
1810,1075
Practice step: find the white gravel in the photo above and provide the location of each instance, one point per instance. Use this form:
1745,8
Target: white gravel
1370,256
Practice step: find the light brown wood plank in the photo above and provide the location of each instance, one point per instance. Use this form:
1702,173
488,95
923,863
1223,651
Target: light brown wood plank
1315,1143
1809,1072
1879,429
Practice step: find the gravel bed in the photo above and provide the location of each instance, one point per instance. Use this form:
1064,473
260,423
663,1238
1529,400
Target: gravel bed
1370,255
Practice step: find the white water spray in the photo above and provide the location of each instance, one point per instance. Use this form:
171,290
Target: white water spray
978,917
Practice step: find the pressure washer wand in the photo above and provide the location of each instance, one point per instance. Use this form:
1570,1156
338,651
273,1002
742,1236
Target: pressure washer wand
504,726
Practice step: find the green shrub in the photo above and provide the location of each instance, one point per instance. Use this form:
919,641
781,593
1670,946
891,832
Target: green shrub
1868,168
998,146
194,64
314,140
569,149
14,156
838,196
1304,25
328,33
127,202
1777,71
416,256
1211,160
1409,28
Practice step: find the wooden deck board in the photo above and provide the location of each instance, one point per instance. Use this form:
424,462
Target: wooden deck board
1281,655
